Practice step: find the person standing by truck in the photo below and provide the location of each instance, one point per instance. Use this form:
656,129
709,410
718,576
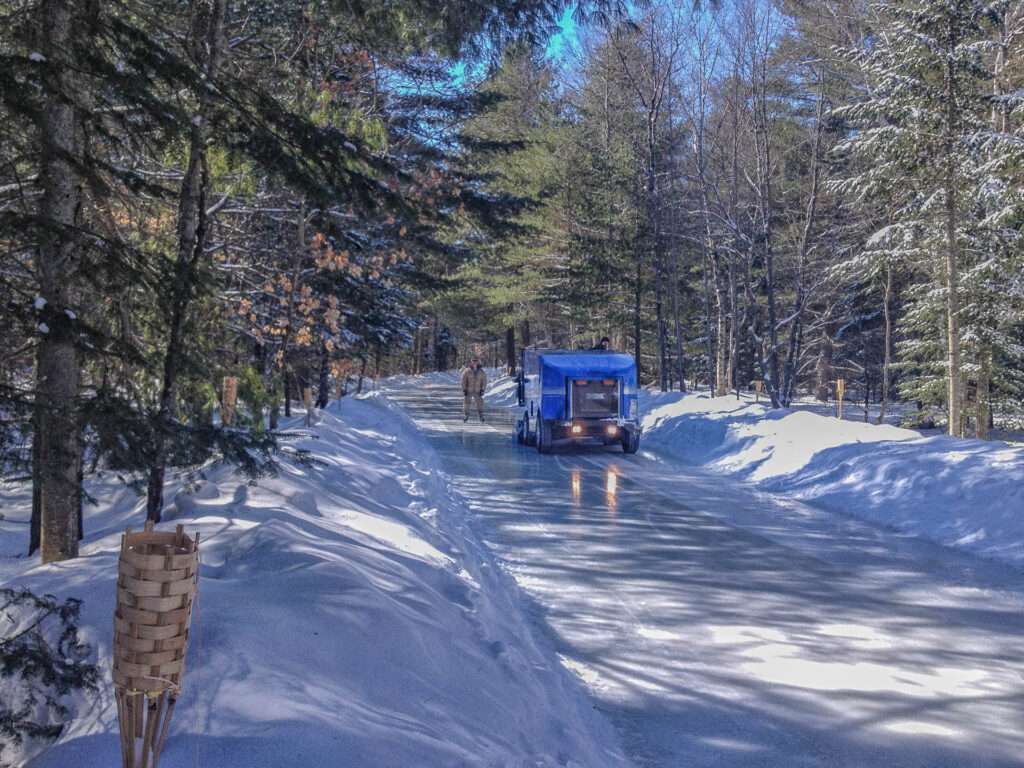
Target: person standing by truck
473,382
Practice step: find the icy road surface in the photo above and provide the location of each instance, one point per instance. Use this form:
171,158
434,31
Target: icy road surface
716,626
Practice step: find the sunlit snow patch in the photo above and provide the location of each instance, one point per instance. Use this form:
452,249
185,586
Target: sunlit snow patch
918,728
585,673
395,535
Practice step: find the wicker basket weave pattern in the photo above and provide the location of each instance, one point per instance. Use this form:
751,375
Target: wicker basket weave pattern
156,583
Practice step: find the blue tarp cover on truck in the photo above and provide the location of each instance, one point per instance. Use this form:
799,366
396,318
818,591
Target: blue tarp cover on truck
556,366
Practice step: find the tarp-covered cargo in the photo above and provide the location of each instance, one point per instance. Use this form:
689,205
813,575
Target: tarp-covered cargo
582,395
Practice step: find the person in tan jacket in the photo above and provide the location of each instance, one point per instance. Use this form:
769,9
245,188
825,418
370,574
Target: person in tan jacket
473,382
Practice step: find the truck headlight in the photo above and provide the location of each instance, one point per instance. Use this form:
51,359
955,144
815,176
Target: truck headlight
611,429
576,429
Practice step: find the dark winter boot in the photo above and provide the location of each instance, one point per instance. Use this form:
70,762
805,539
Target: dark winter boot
465,417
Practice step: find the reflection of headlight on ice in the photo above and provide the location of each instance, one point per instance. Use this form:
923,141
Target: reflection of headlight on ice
611,483
576,483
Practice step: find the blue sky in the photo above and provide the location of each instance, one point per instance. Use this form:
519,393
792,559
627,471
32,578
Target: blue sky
561,39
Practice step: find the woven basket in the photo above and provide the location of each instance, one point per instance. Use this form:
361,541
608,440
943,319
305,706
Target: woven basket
156,583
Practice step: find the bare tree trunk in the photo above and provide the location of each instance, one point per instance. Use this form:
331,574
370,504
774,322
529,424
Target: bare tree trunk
708,344
680,359
192,234
803,254
362,374
654,198
293,289
417,353
823,368
721,333
58,447
734,326
510,349
983,413
887,365
637,307
956,427
732,350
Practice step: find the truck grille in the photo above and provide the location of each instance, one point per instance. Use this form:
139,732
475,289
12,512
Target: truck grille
595,398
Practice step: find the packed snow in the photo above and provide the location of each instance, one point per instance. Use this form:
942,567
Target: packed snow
350,613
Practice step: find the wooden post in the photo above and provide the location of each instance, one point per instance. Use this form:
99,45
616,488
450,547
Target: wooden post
228,398
757,390
840,387
307,398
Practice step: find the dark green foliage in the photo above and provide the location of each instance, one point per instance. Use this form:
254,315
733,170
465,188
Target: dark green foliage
41,662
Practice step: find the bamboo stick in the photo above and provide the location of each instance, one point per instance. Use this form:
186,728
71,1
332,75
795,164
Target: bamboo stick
163,731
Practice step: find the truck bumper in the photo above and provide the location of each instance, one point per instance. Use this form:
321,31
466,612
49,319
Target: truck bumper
606,430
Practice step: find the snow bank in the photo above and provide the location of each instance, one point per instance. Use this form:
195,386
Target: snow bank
347,615
960,493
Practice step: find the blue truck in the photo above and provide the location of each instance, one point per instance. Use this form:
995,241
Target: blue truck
579,395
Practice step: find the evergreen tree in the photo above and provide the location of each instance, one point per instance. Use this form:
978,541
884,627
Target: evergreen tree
924,137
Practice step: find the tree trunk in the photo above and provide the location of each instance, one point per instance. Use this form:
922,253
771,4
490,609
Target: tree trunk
983,413
323,380
36,519
58,434
680,359
417,353
956,427
708,344
659,256
192,231
362,374
637,307
734,327
286,337
721,332
796,332
887,364
510,349
823,369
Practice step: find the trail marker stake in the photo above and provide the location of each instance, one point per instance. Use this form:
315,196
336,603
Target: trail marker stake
228,398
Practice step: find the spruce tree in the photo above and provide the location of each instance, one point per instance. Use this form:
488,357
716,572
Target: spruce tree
924,135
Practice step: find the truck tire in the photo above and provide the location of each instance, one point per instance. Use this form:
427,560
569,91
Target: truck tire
631,443
529,438
543,436
521,432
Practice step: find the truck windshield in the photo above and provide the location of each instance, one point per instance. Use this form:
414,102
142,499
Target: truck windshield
595,398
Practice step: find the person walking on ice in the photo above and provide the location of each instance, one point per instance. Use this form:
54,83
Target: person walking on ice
474,380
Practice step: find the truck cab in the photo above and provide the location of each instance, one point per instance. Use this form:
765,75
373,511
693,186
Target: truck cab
578,395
